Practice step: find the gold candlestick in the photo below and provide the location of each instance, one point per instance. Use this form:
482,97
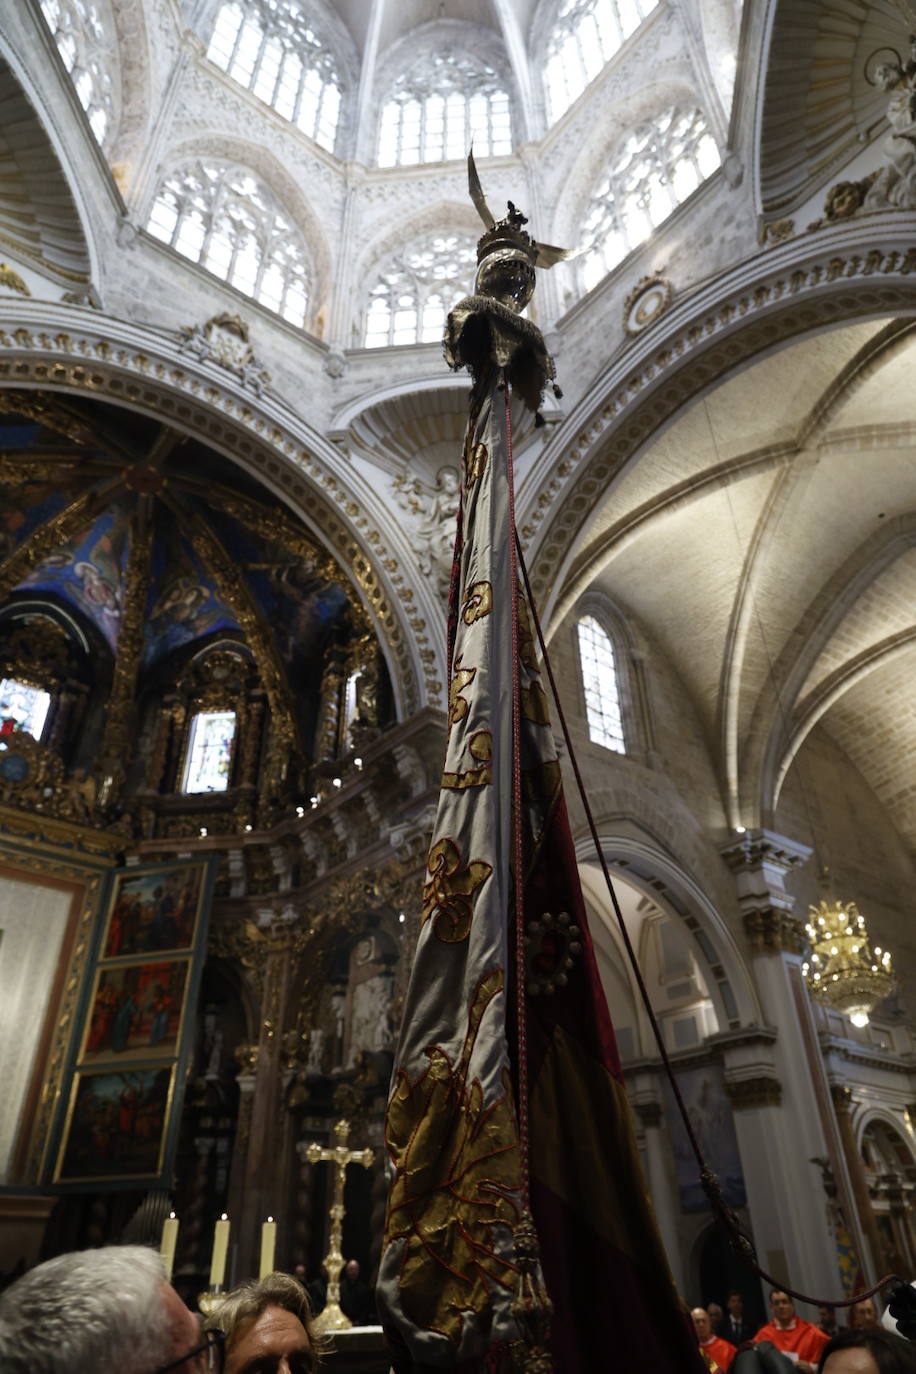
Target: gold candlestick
332,1318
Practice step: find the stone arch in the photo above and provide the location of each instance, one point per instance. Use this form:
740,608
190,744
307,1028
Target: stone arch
806,287
652,868
89,352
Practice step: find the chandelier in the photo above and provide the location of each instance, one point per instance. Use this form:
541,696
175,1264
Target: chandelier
845,972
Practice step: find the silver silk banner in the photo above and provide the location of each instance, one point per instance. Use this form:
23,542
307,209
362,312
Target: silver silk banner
447,1276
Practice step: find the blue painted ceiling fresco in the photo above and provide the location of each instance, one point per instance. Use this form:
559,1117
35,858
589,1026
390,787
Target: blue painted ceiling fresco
56,453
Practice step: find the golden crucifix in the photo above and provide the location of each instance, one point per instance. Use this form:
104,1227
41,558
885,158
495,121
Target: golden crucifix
332,1319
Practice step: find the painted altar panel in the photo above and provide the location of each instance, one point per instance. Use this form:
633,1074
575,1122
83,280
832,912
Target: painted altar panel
710,1113
34,921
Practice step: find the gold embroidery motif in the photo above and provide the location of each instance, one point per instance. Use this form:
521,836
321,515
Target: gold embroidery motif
457,705
448,894
480,746
478,604
456,1162
475,460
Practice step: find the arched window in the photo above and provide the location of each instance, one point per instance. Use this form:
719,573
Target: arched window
600,685
412,296
653,170
275,49
208,760
86,50
227,220
23,706
585,35
442,105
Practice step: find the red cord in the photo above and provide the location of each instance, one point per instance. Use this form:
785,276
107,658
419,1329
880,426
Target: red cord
518,840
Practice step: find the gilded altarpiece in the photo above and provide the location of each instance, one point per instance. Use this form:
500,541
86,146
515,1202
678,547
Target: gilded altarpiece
121,1098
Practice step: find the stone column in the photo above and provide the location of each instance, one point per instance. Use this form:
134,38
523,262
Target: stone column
783,1115
842,1103
660,1177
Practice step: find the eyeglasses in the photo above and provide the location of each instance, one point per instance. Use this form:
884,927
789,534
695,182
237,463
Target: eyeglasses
213,1348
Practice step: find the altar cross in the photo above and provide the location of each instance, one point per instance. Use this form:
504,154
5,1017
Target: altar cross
332,1318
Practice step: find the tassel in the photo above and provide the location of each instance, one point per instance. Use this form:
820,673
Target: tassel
531,1306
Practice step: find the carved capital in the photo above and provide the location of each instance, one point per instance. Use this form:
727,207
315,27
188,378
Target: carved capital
772,931
649,1114
841,1096
747,1093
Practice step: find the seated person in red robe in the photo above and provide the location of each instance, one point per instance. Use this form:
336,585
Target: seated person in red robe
791,1333
722,1351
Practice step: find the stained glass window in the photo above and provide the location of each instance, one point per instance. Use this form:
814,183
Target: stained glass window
209,757
585,35
652,171
22,707
599,681
442,105
225,218
413,294
86,49
275,49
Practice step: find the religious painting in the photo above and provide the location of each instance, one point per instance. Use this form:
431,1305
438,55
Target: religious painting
88,571
183,603
23,507
710,1113
154,909
135,1011
116,1125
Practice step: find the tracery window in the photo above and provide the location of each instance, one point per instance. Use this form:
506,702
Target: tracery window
85,47
442,105
414,293
223,217
274,48
586,34
22,707
653,170
209,755
600,685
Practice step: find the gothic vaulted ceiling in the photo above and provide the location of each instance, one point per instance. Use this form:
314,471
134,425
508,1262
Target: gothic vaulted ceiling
778,518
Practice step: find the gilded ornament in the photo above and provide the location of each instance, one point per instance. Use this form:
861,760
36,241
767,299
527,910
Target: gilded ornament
449,891
453,1193
10,280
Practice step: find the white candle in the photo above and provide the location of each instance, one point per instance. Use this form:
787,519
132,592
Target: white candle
268,1247
220,1250
168,1243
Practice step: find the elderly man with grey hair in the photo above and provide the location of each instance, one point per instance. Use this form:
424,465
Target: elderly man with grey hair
107,1311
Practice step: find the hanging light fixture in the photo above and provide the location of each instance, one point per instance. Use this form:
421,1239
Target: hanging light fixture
844,971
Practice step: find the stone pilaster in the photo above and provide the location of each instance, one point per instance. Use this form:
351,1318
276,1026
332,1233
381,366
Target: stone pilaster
775,1075
660,1177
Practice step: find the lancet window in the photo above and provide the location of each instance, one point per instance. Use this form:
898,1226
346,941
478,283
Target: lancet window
276,50
415,291
208,761
653,170
585,35
443,105
22,707
600,685
226,219
86,49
